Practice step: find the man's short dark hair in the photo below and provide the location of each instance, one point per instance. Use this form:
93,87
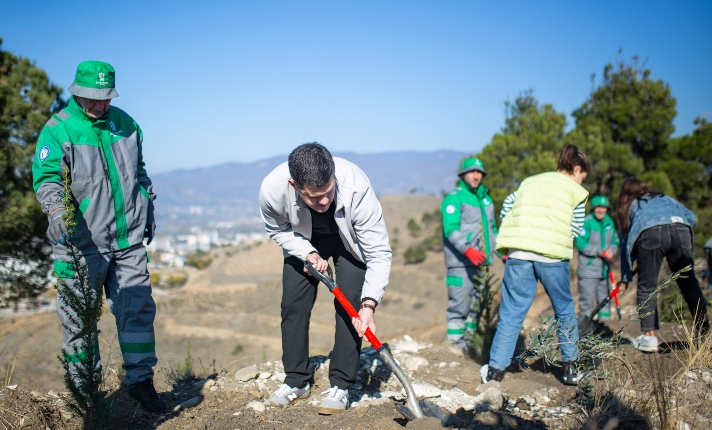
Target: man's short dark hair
311,165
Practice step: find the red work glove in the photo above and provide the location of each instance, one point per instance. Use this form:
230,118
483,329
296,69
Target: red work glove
607,255
476,256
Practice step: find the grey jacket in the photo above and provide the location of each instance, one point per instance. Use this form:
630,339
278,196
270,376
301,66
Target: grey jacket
358,215
112,191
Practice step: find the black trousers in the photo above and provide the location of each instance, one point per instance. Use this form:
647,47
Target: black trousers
299,292
673,242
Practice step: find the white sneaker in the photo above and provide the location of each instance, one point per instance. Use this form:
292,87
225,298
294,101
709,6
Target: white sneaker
646,343
336,401
286,395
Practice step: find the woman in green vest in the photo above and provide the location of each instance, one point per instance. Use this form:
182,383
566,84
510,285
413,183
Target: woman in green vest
542,218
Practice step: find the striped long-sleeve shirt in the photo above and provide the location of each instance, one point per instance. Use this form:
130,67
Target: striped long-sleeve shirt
576,223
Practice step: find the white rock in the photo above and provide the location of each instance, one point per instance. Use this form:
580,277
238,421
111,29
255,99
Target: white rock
214,388
12,387
236,413
543,400
192,402
387,394
372,402
682,425
691,375
706,377
455,364
454,399
264,375
256,406
407,338
279,377
414,362
442,364
207,385
247,373
494,398
423,389
409,346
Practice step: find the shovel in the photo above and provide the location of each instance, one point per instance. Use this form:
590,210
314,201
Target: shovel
412,410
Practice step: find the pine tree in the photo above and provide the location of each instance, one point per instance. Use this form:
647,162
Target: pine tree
27,100
82,303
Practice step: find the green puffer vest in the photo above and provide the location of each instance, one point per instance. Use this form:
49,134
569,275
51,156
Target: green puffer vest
540,220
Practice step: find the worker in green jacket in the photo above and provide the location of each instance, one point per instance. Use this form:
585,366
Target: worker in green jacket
469,231
597,244
101,147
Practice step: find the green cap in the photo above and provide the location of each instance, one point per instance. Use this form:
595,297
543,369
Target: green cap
599,201
471,163
94,80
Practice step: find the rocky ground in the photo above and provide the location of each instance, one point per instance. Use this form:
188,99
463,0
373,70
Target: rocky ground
227,317
533,399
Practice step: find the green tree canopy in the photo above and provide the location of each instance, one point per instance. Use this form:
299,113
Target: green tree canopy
27,100
529,143
625,125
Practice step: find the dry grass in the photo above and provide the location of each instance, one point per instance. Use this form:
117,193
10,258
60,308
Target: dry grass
661,394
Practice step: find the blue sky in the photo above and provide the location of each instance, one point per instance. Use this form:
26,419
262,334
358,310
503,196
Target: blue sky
216,82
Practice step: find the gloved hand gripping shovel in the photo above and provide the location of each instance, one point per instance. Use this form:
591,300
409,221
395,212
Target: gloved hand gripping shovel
412,409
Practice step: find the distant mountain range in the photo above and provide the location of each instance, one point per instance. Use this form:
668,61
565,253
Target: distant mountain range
228,192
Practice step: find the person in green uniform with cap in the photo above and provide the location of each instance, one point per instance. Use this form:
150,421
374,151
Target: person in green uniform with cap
597,244
101,147
469,232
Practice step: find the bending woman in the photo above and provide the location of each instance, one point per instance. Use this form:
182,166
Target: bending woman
542,218
654,226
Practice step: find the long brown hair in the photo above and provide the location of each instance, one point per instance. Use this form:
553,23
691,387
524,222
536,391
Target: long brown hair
571,157
632,189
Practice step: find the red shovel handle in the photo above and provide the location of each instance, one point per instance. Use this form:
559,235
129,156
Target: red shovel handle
341,298
612,280
352,313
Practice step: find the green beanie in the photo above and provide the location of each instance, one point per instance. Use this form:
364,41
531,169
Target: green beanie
471,163
94,80
599,201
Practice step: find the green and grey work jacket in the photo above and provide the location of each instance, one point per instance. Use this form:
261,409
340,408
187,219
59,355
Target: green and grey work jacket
111,191
596,237
468,222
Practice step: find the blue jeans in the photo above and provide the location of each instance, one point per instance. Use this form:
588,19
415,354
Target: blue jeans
518,290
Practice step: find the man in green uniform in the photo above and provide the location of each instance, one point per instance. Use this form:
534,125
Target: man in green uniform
469,231
101,146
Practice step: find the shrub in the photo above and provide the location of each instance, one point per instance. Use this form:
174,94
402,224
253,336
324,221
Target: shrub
414,255
200,260
176,280
413,227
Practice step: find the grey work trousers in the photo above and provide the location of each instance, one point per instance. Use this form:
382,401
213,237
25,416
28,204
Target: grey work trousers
593,291
463,296
127,284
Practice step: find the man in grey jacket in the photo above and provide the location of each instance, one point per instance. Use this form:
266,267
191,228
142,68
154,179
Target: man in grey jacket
317,207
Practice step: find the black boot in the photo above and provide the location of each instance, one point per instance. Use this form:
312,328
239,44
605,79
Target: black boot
146,395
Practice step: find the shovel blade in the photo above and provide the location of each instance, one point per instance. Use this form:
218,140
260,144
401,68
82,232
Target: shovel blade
585,325
430,409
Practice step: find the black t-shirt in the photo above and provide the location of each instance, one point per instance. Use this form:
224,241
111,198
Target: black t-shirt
324,228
